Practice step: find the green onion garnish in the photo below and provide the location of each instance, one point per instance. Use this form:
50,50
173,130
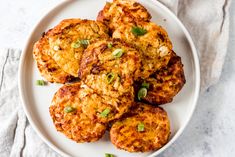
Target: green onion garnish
140,127
110,45
75,45
118,53
110,77
138,31
142,93
145,85
105,113
109,155
84,43
68,109
79,43
41,83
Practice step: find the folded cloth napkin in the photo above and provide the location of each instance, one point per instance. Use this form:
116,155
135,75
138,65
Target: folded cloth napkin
208,23
17,138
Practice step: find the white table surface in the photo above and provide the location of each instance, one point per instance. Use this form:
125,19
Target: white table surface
211,131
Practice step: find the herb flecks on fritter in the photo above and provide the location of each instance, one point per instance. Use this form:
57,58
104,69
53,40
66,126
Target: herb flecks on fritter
143,129
110,71
59,51
69,118
122,12
151,41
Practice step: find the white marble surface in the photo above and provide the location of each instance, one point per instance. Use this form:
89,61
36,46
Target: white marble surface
211,131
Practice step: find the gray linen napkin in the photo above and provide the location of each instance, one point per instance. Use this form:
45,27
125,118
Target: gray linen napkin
208,23
17,138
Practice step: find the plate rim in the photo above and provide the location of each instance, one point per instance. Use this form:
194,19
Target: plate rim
196,68
197,79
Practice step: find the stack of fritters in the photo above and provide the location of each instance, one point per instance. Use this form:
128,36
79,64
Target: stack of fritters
121,60
111,76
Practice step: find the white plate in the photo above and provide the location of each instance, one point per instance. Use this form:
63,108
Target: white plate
36,99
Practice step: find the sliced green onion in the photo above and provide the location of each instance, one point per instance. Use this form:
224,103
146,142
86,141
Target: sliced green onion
110,45
118,53
142,93
68,109
140,127
109,155
75,45
79,43
145,85
105,113
41,83
138,31
85,43
110,77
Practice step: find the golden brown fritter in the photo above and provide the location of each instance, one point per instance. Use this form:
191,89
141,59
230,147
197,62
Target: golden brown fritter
103,108
109,67
144,129
68,117
122,12
69,39
88,104
151,40
64,45
165,83
48,68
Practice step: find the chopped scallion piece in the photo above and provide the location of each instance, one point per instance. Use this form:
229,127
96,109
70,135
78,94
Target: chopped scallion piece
138,31
142,93
118,53
84,43
79,43
110,45
110,77
75,45
41,83
140,127
109,155
105,113
145,85
68,109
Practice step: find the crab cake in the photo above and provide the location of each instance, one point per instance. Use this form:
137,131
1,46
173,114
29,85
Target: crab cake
110,67
164,84
68,117
151,40
48,68
68,40
122,11
146,128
